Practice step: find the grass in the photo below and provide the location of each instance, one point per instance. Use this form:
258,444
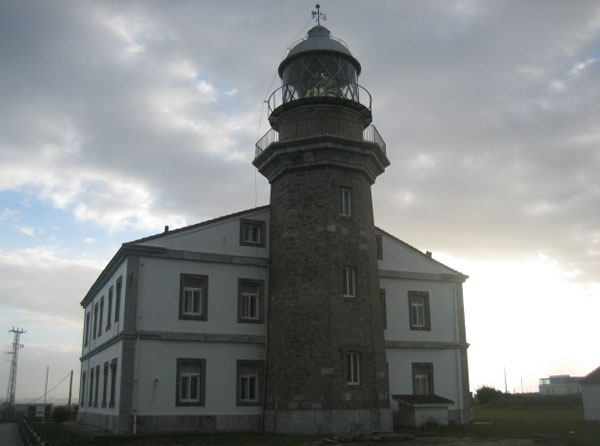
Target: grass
491,422
541,423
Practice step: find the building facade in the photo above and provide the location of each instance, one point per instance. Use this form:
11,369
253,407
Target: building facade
297,317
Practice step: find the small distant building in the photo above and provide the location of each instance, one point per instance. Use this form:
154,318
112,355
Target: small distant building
35,412
590,389
560,385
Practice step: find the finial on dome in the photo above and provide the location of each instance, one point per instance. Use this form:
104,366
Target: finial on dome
318,15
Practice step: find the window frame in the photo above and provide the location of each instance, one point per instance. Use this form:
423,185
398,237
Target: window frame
86,328
101,316
345,201
104,383
109,308
201,363
91,393
113,382
379,246
259,319
82,389
414,325
118,291
383,302
258,224
352,367
240,363
348,284
193,282
97,385
418,368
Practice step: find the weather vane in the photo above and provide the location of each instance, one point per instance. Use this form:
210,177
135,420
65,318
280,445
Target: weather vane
318,15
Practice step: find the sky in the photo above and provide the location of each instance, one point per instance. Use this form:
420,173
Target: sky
120,117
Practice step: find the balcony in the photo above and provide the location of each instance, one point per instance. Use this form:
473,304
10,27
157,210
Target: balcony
370,134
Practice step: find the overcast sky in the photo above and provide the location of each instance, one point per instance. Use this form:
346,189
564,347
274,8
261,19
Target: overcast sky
120,117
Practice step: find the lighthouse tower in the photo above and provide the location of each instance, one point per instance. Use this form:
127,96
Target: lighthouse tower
326,364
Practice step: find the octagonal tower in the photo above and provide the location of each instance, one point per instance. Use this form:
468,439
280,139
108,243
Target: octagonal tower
326,366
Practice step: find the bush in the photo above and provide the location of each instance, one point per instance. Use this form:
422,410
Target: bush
60,414
487,394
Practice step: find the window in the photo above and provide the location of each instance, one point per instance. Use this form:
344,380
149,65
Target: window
250,300
418,302
383,306
113,382
95,320
82,391
252,232
96,386
118,299
348,281
193,297
91,393
379,243
190,382
353,368
86,328
101,316
105,384
345,201
249,382
422,375
109,309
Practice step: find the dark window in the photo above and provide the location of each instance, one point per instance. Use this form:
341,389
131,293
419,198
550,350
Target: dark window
418,303
96,386
422,377
250,300
190,385
252,233
193,297
101,315
345,201
118,298
383,306
113,382
348,281
109,309
82,390
105,384
379,242
91,393
353,368
86,328
249,382
95,320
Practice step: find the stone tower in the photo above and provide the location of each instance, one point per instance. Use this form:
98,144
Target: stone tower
326,365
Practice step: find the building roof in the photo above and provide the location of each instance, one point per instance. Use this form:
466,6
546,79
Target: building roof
415,400
592,377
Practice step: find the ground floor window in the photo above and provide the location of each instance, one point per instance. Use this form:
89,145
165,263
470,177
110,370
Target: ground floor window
422,377
249,382
113,382
191,373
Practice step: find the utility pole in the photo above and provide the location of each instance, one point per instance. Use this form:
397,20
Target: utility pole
70,391
505,386
45,393
13,357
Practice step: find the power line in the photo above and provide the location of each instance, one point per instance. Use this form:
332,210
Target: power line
54,387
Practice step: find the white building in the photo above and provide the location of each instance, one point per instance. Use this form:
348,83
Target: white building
560,385
175,330
590,390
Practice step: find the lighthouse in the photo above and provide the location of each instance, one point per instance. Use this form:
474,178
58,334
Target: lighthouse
326,367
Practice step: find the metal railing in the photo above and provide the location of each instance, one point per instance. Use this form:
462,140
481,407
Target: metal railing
319,88
29,437
329,37
370,134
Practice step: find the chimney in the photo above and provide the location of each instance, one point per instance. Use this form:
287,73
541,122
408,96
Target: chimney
166,228
427,253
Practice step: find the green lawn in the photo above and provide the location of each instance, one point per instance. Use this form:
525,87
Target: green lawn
491,422
563,424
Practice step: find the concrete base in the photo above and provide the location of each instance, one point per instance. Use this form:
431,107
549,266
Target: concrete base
317,422
121,424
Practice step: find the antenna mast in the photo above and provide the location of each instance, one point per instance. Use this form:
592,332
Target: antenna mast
13,357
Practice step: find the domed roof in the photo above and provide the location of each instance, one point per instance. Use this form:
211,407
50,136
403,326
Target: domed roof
319,39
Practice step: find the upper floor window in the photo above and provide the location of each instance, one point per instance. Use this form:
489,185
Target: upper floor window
348,281
193,297
353,368
345,201
379,242
86,328
191,383
118,298
422,377
109,309
95,320
252,232
382,299
418,302
101,315
250,300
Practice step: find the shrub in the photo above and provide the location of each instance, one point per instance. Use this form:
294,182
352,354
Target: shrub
60,414
487,394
